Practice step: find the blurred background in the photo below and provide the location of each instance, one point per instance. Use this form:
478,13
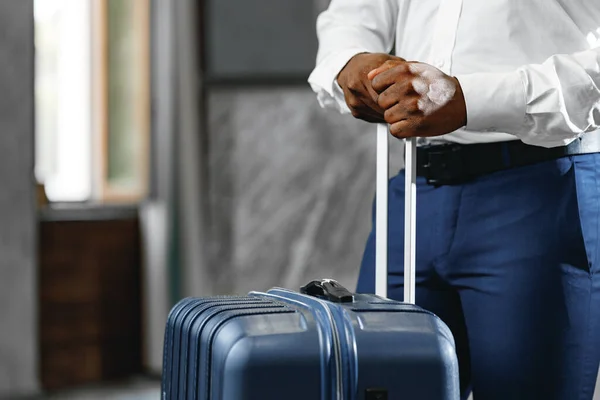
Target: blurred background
153,150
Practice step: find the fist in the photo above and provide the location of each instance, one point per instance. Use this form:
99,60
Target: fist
358,92
418,99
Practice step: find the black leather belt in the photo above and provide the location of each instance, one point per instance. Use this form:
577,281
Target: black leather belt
451,164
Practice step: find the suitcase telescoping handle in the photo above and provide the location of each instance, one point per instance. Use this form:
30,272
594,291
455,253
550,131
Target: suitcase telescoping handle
381,213
329,289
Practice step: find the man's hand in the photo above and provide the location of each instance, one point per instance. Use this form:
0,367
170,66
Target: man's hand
418,99
358,92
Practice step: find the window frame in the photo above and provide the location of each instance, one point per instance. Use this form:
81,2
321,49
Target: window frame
104,190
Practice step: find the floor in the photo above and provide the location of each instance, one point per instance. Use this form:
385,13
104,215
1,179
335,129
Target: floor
138,389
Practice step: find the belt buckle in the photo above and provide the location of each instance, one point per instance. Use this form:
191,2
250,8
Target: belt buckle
444,166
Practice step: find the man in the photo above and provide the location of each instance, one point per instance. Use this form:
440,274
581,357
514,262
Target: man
504,96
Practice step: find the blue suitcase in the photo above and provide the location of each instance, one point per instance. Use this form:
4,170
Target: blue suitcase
283,345
322,343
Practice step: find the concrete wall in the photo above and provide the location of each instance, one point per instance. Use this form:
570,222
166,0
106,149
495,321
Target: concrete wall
18,295
291,188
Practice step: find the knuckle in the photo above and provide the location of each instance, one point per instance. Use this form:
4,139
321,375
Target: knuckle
376,84
414,106
386,100
395,62
388,116
411,86
400,68
415,112
397,133
382,100
354,84
353,103
356,113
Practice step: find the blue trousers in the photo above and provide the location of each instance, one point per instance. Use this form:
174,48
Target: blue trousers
511,263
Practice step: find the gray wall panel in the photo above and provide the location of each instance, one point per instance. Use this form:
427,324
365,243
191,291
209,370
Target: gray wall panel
18,295
259,39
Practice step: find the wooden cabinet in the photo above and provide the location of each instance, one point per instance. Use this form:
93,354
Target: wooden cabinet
89,301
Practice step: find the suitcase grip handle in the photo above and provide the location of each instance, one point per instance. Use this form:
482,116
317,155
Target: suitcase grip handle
329,290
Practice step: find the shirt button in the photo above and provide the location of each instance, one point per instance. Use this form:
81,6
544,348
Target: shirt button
439,63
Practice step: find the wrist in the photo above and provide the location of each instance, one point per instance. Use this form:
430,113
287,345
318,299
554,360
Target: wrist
461,104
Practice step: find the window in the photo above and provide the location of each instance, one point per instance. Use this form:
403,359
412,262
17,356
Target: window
92,99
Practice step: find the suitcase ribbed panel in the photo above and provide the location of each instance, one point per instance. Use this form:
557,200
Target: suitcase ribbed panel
208,338
196,346
177,338
172,338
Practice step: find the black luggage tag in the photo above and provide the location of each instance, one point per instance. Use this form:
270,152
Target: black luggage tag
328,289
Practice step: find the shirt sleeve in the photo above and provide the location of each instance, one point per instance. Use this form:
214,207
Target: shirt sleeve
547,105
347,28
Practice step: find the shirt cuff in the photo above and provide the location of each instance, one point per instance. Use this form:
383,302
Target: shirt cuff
323,79
495,101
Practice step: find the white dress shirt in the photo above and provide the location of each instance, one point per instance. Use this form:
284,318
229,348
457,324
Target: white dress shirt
529,69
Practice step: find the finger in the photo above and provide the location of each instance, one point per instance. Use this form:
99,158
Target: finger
401,111
374,120
382,68
366,96
397,93
372,100
387,78
372,116
367,114
364,101
410,127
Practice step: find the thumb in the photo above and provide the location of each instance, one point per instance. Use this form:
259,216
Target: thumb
384,67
